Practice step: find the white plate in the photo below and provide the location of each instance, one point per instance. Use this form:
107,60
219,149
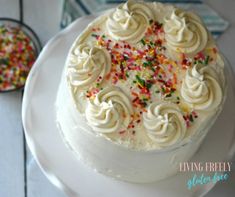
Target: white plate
60,165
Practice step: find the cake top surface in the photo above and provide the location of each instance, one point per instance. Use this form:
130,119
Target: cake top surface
146,75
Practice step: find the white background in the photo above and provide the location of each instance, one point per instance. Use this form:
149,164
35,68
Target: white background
17,167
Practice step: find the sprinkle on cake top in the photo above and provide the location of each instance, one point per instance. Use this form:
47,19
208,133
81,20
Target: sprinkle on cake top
140,78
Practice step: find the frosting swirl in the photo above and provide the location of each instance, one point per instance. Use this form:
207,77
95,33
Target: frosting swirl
87,63
201,88
184,32
110,111
129,21
164,123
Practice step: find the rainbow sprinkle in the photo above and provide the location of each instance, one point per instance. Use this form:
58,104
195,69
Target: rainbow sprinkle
17,56
153,75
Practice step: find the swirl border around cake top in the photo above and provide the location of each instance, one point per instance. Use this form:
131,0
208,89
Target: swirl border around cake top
201,88
185,32
184,52
87,63
129,21
110,111
165,123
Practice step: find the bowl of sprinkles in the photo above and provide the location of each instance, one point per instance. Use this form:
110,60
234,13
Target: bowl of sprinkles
19,48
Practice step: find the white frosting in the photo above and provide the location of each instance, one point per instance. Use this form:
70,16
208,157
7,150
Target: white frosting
106,157
110,111
185,32
201,88
108,122
129,21
86,64
114,111
165,123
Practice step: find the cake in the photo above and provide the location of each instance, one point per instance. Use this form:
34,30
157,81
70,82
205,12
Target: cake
141,87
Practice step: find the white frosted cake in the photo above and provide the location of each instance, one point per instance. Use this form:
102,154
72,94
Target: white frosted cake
142,85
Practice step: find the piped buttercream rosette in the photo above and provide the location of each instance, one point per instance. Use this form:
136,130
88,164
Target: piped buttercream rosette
86,64
129,21
201,88
164,123
110,111
184,32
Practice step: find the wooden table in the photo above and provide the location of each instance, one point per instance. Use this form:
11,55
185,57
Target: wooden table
19,174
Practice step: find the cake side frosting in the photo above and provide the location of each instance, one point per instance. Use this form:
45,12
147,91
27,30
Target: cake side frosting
146,76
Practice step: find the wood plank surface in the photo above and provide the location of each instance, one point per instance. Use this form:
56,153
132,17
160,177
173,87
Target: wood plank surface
11,146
